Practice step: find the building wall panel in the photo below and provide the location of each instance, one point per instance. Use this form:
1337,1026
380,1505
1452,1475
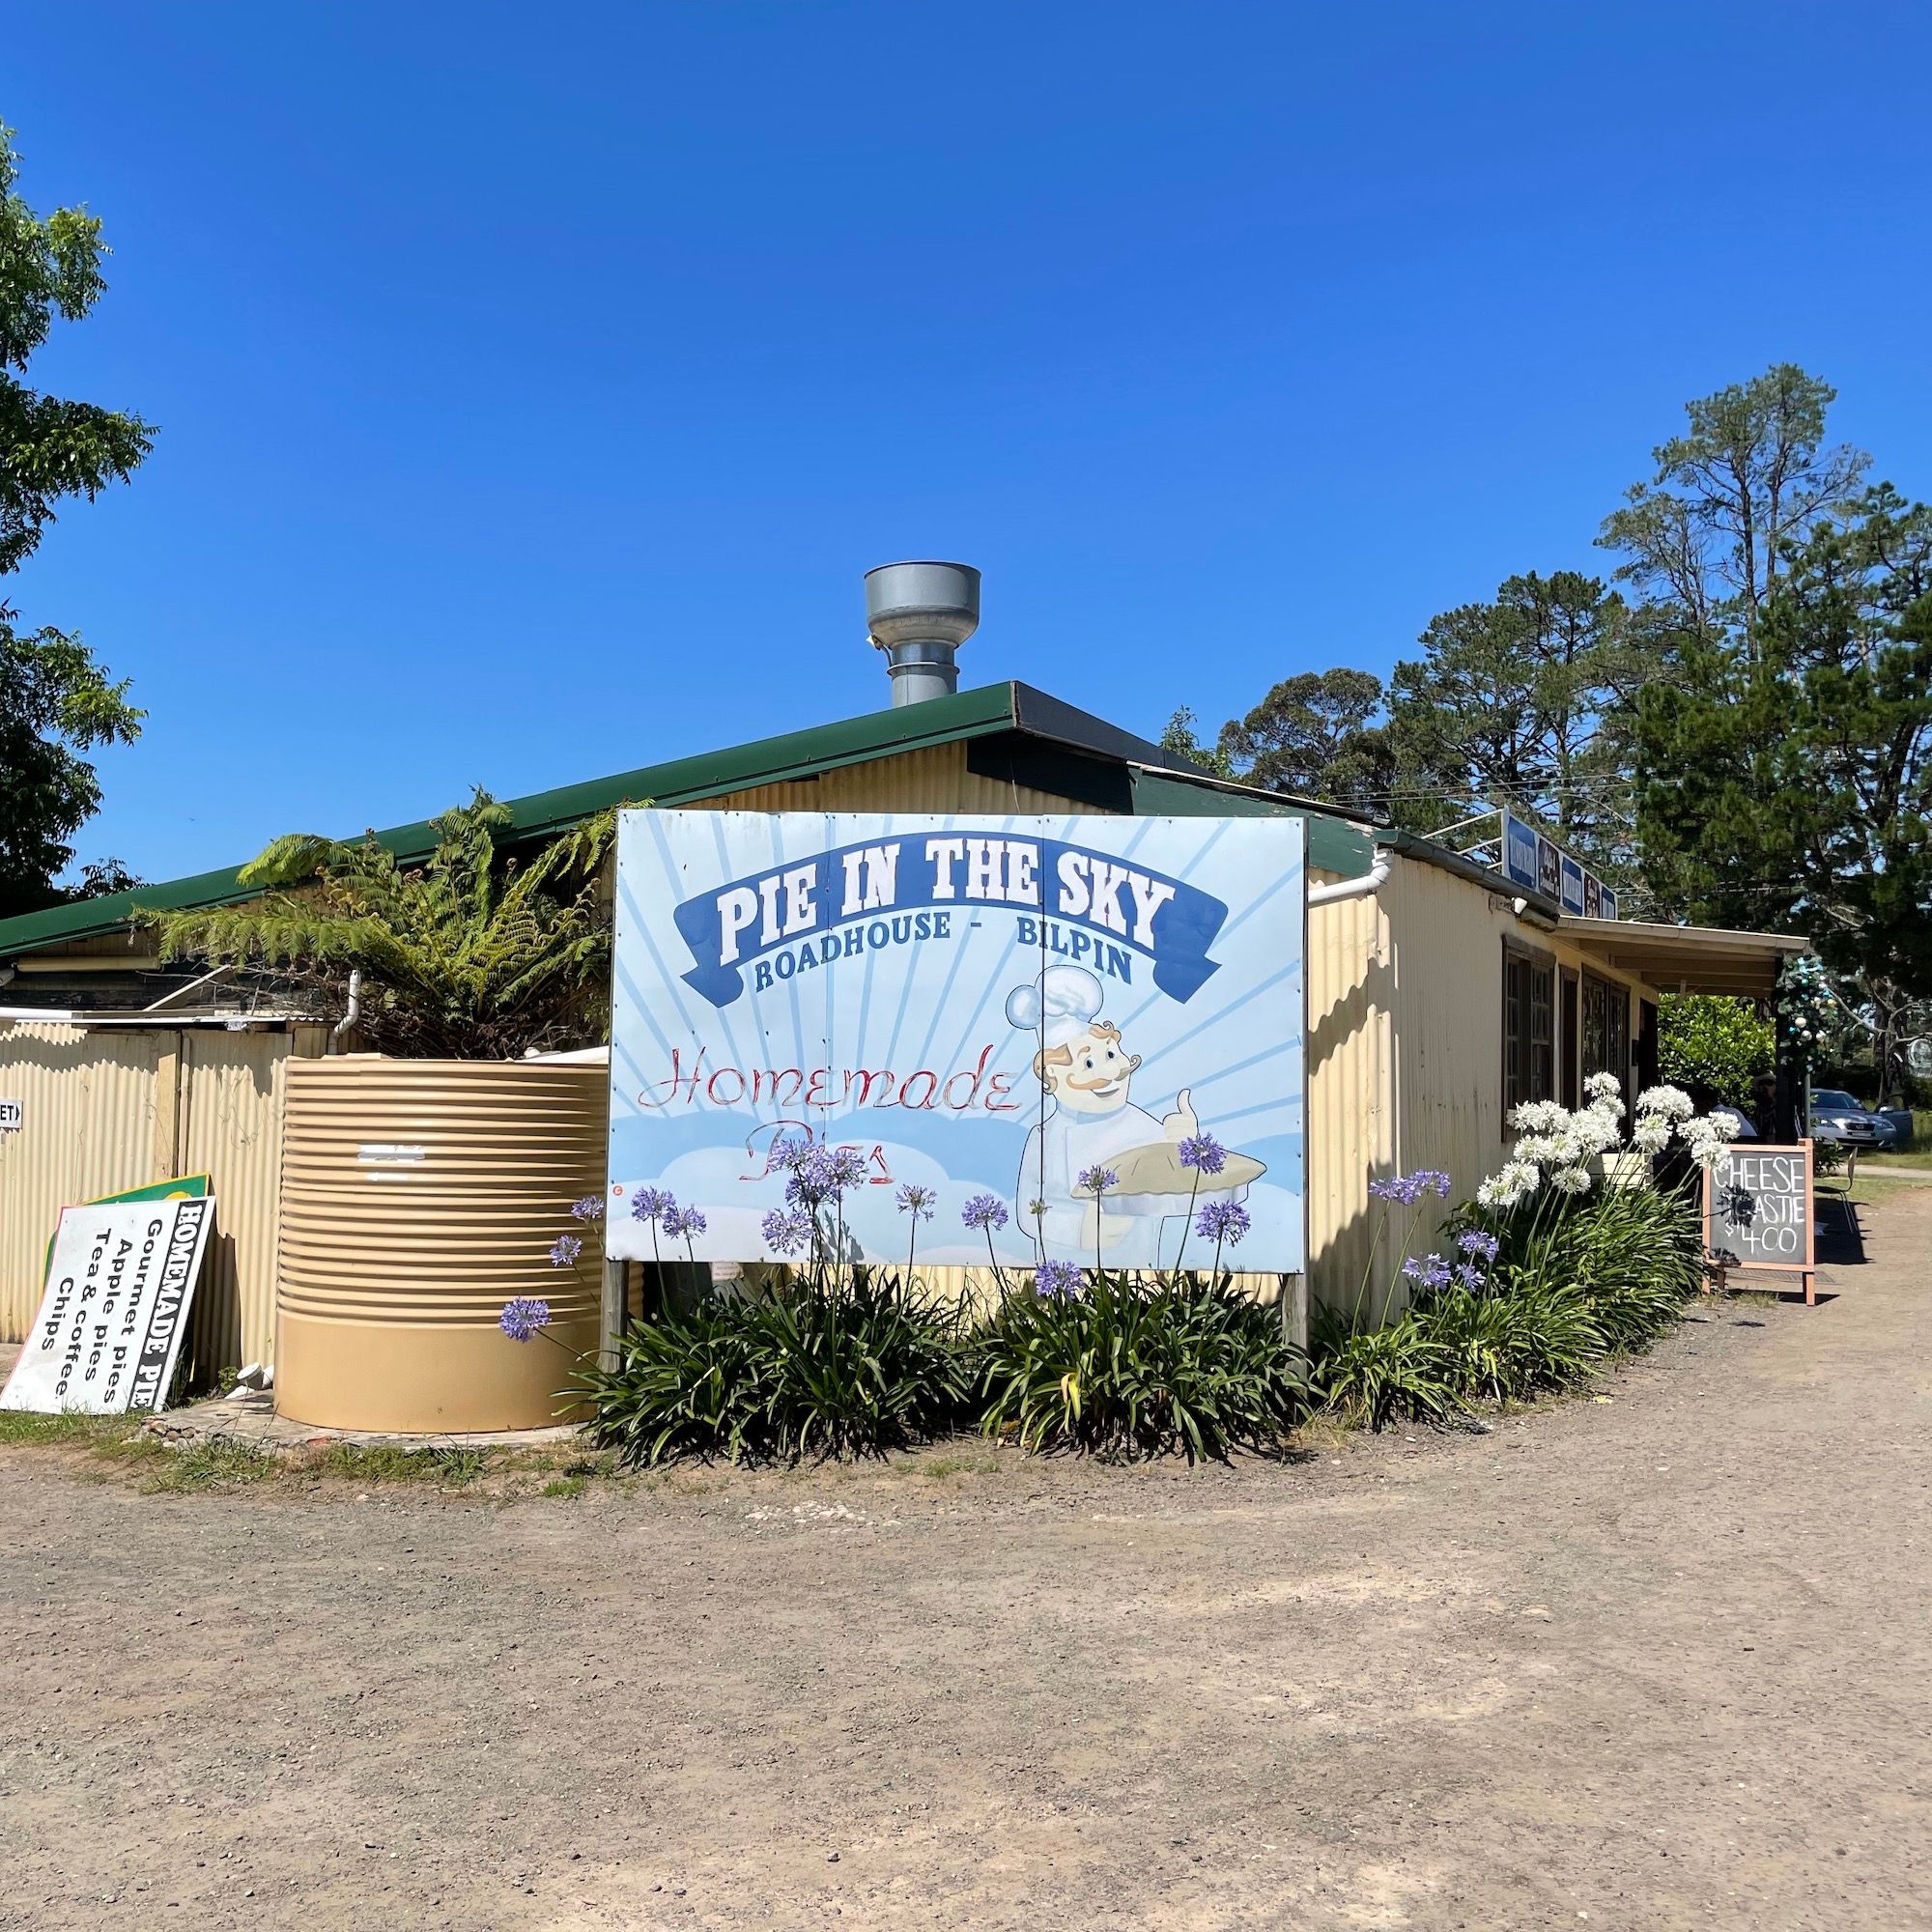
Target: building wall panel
933,779
233,1087
112,1108
90,1118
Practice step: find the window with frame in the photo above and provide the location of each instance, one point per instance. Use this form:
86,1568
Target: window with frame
1529,1026
1606,1041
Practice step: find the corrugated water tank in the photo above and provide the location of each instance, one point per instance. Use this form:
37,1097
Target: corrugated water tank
418,1196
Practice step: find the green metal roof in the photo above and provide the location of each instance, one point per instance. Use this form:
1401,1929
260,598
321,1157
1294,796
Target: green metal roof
991,709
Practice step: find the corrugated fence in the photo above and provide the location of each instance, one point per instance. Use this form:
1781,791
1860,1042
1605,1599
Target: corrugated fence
104,1109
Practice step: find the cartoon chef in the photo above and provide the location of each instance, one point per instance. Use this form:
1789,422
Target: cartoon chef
1088,1121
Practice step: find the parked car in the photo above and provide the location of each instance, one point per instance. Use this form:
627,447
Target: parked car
1837,1118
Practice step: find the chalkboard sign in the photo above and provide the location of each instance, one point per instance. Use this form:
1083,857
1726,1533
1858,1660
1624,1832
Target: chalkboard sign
1758,1210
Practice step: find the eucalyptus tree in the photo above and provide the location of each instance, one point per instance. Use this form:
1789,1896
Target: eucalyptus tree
56,701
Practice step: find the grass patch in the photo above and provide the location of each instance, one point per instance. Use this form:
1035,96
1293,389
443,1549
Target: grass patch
445,1463
1920,1157
220,1464
1319,1435
101,1447
945,1463
19,1425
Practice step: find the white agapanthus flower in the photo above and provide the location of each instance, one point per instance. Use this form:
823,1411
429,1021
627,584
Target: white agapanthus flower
1571,1181
1605,1090
1540,1117
1515,1181
1651,1133
1705,1138
1671,1103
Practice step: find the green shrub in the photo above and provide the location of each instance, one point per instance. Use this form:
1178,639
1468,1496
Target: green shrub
1370,1377
1122,1368
1478,1341
1633,1254
1711,1039
816,1370
1573,1281
1554,1341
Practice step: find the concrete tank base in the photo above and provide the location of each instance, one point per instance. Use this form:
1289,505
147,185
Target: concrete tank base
418,1196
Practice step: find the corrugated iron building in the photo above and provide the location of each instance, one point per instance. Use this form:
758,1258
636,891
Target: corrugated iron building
1431,989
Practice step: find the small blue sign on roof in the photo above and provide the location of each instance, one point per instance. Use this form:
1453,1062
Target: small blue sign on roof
1519,851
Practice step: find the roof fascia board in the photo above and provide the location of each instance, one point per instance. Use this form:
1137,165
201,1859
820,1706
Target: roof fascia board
1412,845
1334,845
851,741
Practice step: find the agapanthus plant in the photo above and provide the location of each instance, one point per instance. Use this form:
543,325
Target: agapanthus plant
1224,1223
1556,1147
523,1318
817,1178
651,1205
1396,1190
916,1203
685,1223
1057,1279
1095,1180
1202,1153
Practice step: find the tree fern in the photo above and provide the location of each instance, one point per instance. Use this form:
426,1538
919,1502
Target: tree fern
469,955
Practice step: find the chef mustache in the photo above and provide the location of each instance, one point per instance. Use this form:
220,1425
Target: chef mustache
1133,1060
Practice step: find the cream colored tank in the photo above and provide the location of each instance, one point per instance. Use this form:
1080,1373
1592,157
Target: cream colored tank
418,1196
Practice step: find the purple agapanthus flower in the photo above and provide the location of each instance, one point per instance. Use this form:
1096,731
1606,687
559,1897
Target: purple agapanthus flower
1471,1277
985,1210
811,1179
1203,1152
823,1174
651,1203
1097,1180
786,1150
564,1250
785,1233
589,1208
1473,1242
1222,1221
1431,1272
522,1317
681,1224
1407,1189
1057,1280
914,1200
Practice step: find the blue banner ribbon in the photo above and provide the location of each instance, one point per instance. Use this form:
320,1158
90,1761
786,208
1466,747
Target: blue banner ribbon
794,903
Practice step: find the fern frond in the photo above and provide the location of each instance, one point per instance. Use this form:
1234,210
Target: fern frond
292,858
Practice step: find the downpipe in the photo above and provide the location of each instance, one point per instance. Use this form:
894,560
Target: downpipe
1372,880
353,1010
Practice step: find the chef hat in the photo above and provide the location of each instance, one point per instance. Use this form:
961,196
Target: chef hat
1060,1007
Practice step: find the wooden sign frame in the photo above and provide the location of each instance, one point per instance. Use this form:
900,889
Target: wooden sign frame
1808,1267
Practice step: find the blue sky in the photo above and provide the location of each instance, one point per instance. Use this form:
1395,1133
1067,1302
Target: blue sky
536,383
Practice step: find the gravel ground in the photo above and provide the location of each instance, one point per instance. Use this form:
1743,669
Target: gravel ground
1657,1660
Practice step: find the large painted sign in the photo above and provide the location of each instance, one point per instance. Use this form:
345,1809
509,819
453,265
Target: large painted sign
121,1281
974,1005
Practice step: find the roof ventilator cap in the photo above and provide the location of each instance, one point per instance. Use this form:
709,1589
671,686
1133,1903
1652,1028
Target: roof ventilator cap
920,614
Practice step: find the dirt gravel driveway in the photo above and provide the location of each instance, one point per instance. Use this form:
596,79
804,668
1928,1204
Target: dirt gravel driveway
1658,1662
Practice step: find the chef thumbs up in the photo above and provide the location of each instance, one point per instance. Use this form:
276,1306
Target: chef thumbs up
1181,1125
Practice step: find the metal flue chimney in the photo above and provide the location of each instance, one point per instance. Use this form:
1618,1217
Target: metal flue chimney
920,614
